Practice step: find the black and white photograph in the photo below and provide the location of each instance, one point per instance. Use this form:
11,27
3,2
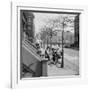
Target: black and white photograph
45,44
49,43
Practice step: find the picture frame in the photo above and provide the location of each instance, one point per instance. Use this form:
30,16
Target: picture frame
16,81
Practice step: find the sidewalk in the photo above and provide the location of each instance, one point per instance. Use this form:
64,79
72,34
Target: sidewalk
71,65
54,71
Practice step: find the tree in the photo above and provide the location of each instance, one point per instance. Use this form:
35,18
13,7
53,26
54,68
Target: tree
60,23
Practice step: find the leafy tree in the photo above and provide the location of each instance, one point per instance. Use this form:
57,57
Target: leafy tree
61,22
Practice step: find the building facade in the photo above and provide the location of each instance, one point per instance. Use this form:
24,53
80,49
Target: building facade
76,28
27,25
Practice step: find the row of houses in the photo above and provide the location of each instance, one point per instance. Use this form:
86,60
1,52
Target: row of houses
68,38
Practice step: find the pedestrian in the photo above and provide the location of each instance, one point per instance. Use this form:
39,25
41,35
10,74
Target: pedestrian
47,53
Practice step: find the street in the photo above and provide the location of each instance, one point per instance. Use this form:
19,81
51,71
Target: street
71,64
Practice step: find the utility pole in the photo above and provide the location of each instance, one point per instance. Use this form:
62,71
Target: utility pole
62,63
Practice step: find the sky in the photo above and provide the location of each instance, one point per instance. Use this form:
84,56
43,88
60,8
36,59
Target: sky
41,19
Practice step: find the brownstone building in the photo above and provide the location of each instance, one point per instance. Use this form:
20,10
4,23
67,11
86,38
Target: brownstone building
27,25
30,62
